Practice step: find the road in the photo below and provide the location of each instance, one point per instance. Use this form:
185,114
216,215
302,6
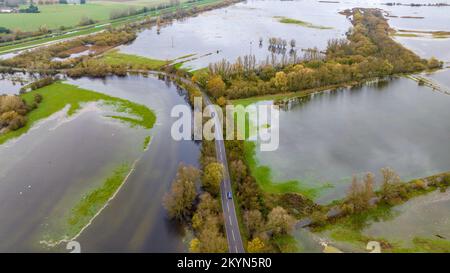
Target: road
229,211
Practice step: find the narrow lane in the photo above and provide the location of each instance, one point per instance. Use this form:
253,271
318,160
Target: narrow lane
235,244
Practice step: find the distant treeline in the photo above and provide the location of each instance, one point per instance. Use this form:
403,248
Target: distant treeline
417,4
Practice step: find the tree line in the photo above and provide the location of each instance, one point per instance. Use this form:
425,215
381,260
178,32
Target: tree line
13,111
367,52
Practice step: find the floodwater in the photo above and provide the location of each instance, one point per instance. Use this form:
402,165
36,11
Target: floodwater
235,31
135,220
45,172
70,157
327,137
11,83
424,216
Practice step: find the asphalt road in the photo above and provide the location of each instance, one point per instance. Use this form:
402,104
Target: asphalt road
229,211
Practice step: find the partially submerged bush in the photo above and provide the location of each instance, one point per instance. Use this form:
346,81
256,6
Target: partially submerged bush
12,113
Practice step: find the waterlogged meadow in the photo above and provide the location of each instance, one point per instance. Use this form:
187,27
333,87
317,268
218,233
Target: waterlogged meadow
96,157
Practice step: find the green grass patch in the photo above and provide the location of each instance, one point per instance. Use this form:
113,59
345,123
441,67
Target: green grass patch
56,96
135,62
286,243
406,35
92,202
286,20
263,176
147,142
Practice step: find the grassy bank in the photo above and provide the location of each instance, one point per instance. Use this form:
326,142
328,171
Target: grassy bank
147,142
93,201
286,20
58,95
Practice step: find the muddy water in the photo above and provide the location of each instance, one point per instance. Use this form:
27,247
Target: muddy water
328,137
45,172
11,83
135,220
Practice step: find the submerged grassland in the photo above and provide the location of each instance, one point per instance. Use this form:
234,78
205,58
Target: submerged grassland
82,213
132,61
58,95
263,176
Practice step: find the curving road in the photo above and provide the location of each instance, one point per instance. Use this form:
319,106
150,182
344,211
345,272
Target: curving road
229,211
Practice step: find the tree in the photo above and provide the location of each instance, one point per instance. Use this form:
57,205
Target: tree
360,194
216,86
434,63
179,200
255,246
85,21
391,188
249,193
211,239
37,98
253,221
279,221
212,176
238,170
221,101
194,246
292,43
280,81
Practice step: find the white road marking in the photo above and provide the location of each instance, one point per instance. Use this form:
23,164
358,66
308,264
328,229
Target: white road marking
229,218
235,247
228,207
232,232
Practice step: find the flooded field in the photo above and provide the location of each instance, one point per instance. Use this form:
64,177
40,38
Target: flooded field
425,216
372,127
70,157
235,31
325,138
